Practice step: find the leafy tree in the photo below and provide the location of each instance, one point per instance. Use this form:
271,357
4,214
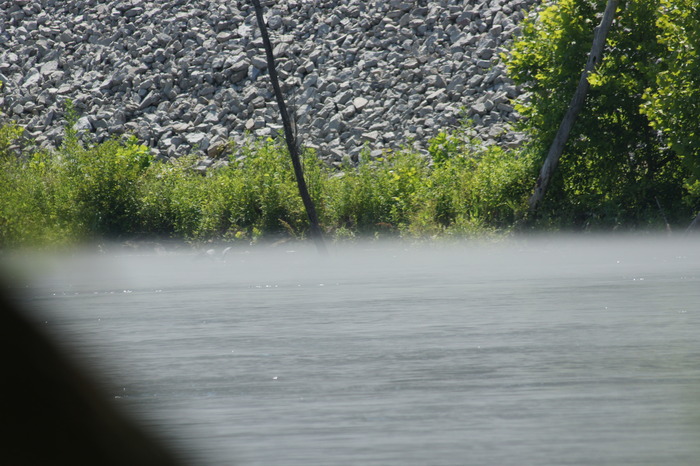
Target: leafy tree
673,105
615,169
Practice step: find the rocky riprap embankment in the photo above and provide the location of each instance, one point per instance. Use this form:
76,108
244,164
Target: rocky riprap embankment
192,73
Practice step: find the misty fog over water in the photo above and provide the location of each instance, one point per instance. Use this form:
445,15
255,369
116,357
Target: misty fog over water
525,351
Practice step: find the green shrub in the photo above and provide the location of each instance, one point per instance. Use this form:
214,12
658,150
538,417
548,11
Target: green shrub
376,196
36,204
255,195
476,187
259,195
79,191
106,180
172,195
10,133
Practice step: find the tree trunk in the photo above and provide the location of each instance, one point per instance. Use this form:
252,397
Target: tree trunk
314,227
557,147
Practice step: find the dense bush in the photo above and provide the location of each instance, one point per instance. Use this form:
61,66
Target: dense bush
79,191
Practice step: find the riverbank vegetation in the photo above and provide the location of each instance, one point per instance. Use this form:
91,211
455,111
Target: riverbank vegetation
632,161
116,190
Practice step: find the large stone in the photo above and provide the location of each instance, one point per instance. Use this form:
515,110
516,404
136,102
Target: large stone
359,103
152,98
84,124
200,140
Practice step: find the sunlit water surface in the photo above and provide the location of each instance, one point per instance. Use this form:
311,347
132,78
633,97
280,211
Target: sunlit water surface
526,352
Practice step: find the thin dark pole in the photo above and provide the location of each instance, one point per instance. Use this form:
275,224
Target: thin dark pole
314,227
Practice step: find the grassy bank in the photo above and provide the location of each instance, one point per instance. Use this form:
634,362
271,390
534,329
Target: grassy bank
116,190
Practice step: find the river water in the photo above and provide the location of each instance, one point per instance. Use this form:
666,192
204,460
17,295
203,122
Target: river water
526,352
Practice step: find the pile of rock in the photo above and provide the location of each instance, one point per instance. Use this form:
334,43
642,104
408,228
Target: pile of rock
184,74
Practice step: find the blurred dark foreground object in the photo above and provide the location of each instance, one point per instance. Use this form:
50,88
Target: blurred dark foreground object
53,413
